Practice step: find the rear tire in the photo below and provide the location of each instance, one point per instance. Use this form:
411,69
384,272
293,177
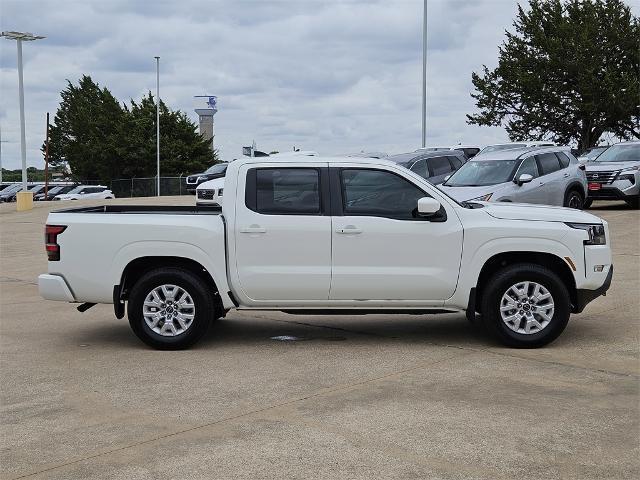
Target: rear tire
574,199
509,326
188,298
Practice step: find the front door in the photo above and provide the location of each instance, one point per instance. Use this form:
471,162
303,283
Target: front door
531,192
283,233
381,250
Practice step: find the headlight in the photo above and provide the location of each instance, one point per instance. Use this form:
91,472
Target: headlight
483,198
200,179
595,232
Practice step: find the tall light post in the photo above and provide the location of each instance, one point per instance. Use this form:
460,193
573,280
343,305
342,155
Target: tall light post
424,75
20,37
158,122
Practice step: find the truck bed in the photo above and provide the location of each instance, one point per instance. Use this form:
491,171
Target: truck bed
138,209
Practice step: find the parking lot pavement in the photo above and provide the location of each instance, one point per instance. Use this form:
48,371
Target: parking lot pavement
353,397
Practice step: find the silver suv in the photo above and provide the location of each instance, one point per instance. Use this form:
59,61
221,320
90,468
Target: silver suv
615,174
548,175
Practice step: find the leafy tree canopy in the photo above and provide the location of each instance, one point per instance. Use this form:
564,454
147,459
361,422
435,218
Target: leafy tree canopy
569,73
102,139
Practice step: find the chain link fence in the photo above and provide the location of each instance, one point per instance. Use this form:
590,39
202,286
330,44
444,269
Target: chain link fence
147,187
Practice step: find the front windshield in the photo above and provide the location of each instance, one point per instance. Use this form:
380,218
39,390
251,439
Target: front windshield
78,189
506,146
481,173
218,168
621,153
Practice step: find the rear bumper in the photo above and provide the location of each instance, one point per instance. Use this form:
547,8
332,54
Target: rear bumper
54,287
585,296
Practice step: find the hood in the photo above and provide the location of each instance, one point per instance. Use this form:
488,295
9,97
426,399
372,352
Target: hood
541,213
212,184
609,166
462,194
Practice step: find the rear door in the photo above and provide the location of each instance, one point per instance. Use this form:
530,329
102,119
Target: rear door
381,250
283,233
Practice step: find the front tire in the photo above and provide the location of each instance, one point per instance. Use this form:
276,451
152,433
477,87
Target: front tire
525,306
574,199
170,308
587,203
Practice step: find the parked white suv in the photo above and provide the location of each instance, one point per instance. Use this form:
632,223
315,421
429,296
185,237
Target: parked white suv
210,193
85,192
615,174
317,235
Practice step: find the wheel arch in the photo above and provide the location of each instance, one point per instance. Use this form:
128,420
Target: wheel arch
575,185
136,268
502,260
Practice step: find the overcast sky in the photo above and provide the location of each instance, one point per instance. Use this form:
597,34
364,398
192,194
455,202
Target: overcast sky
332,76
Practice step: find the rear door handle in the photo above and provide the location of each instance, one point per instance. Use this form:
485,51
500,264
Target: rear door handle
253,229
349,230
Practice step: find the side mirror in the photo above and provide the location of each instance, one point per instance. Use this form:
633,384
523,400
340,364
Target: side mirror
524,178
428,206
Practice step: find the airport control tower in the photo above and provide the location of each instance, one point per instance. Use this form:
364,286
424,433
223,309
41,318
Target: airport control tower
206,108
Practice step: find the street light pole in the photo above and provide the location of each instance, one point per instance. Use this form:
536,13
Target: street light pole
19,37
158,121
424,75
23,138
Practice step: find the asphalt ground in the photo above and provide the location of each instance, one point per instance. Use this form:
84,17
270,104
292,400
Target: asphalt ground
349,398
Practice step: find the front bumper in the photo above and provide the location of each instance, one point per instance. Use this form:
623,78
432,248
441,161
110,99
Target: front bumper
54,287
585,296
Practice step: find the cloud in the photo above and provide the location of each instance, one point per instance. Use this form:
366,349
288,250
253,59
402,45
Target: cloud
331,76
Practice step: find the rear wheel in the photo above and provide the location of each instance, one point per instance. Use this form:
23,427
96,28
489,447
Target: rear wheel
170,308
525,306
574,199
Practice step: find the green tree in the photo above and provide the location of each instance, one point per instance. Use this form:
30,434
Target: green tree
569,73
182,148
86,131
103,140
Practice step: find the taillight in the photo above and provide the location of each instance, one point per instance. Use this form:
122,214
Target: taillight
51,246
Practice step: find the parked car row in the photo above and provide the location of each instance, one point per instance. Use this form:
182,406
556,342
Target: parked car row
521,172
67,191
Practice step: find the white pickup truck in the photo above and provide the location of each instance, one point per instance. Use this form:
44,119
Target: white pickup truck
313,235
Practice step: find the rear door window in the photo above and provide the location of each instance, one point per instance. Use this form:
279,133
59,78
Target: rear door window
283,191
548,162
439,166
564,159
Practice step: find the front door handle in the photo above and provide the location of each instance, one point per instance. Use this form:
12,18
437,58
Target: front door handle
566,175
349,230
253,229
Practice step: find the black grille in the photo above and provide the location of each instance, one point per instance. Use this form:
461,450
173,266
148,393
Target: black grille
602,177
206,194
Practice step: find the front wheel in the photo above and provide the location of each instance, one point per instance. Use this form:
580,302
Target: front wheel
525,306
170,308
587,203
